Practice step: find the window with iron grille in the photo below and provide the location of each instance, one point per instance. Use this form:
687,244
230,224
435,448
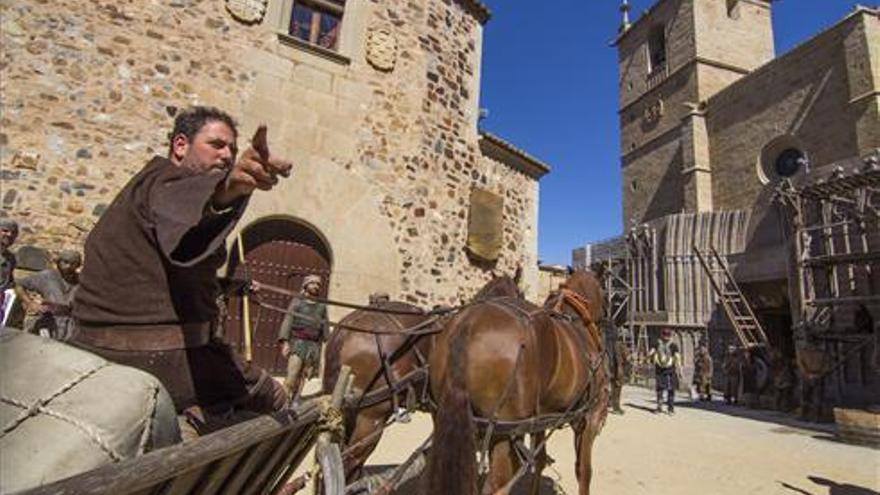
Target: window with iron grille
317,22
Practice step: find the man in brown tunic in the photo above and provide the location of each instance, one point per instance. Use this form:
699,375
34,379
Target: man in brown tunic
703,372
148,287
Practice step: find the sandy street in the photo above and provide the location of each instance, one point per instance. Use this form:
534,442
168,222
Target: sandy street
714,450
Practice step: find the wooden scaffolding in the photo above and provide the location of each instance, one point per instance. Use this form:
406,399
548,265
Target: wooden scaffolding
832,229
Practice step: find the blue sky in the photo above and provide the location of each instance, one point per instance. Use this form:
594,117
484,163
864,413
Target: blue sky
550,85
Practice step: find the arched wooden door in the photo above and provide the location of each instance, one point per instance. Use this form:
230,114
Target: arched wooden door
279,252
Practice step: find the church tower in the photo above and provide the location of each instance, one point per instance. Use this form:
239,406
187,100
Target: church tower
671,60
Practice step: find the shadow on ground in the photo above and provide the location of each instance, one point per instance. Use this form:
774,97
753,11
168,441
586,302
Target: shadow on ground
649,409
834,488
414,486
787,422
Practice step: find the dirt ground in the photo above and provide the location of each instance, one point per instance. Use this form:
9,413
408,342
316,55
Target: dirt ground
702,450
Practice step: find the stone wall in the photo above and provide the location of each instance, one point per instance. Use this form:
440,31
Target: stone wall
736,33
862,47
652,180
549,280
804,95
385,157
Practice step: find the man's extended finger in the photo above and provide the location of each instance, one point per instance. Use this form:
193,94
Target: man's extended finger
260,143
255,169
279,166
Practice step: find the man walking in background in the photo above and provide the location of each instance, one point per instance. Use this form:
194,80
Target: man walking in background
703,370
667,369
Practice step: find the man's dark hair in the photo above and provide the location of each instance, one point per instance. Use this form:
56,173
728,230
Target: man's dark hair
191,120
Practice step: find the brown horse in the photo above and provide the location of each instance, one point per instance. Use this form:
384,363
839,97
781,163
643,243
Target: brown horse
378,389
399,383
511,362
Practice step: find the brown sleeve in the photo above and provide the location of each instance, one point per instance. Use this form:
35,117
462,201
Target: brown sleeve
186,231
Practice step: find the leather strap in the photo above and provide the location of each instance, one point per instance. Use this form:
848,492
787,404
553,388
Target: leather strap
145,337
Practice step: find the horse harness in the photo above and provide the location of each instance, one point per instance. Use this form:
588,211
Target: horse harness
395,384
491,427
579,406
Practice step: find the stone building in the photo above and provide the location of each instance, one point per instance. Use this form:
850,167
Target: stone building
550,277
706,110
711,121
376,102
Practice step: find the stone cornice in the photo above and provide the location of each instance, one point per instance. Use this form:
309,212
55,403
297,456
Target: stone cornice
696,60
477,9
498,149
640,20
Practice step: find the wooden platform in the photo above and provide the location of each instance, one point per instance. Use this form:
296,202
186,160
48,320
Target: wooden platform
858,426
254,457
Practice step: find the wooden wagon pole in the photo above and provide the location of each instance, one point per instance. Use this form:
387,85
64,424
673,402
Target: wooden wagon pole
327,452
245,307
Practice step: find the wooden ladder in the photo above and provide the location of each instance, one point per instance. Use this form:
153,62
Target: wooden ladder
746,326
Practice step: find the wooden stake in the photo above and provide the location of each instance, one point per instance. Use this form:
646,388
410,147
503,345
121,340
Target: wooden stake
245,308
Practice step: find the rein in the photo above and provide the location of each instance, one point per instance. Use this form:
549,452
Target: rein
332,302
395,386
418,329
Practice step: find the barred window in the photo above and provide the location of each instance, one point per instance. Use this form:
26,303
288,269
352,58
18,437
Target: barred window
317,22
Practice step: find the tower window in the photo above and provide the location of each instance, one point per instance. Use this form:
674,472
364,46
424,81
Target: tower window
317,22
733,9
657,49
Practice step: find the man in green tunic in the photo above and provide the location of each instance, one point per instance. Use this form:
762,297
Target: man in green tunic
303,330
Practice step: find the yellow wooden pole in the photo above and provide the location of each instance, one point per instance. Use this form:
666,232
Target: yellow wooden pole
245,308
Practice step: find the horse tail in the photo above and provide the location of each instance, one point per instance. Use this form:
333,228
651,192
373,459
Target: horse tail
452,463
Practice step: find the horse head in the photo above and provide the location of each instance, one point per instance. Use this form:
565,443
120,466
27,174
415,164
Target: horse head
587,286
499,286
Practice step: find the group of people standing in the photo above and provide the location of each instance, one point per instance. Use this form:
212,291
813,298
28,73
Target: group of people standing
40,303
742,370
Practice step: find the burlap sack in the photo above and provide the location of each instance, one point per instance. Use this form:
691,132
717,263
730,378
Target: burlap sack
64,411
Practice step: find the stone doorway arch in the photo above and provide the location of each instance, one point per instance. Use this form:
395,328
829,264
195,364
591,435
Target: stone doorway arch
279,251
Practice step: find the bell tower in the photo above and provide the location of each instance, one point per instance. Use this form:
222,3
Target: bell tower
672,59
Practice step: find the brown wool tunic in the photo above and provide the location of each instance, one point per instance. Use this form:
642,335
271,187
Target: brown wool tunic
151,261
